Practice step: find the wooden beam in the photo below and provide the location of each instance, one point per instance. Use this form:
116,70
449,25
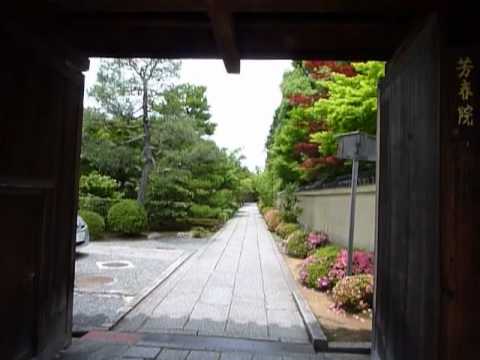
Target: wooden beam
248,6
223,30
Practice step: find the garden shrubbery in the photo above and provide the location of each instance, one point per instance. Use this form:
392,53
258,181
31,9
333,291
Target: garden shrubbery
326,267
296,244
362,263
204,212
285,229
95,223
127,217
96,204
354,293
316,239
273,219
317,266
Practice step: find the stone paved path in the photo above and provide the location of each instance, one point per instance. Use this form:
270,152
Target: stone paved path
233,287
123,346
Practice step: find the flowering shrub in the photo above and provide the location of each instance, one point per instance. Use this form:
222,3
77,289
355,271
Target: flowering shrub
285,229
307,149
354,293
317,239
273,219
317,266
297,245
322,69
301,99
362,263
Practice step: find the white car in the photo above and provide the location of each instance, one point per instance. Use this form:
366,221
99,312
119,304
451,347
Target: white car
83,236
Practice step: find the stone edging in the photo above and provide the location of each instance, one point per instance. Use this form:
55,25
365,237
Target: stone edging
314,330
124,311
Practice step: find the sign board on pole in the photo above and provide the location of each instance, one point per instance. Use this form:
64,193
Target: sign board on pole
356,146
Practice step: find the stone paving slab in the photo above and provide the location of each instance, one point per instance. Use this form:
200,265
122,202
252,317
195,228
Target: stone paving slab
233,287
118,346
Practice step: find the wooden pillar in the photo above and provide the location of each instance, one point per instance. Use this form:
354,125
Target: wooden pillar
41,106
428,273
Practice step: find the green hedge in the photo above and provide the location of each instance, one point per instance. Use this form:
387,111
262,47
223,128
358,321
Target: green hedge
127,217
297,244
96,204
285,229
95,223
205,211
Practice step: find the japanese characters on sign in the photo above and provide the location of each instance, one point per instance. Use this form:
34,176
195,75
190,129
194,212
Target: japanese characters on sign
466,111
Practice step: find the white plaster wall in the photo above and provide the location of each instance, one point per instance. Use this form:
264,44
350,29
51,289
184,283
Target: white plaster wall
329,210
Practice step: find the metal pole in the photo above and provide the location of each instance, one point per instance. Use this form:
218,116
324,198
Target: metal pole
352,216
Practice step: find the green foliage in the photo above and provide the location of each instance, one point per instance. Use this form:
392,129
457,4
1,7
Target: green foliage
288,204
322,261
96,204
204,211
354,293
99,185
95,223
352,102
120,84
273,219
190,101
186,169
329,252
111,147
321,99
200,232
285,229
297,245
296,82
266,185
127,217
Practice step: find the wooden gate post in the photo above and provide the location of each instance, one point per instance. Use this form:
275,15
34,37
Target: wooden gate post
428,246
41,107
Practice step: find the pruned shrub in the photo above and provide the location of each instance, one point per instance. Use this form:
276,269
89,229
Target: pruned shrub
95,223
96,184
204,211
317,266
316,239
273,219
354,293
96,204
264,209
127,217
362,263
296,244
285,229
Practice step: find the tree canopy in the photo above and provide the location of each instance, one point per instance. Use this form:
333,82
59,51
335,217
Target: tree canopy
320,100
190,176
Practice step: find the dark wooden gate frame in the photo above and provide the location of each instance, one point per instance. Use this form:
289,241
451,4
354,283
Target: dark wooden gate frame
47,165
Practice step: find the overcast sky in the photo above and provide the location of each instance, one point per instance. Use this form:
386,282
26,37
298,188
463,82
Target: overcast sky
242,105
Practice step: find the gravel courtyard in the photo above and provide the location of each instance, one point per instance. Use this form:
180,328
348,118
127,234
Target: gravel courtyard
111,275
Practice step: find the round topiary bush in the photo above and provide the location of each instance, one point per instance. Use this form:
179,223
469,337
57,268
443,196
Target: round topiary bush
285,229
273,219
127,217
354,293
315,269
95,223
297,245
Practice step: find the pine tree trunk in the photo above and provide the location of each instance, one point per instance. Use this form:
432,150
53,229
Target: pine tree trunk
148,161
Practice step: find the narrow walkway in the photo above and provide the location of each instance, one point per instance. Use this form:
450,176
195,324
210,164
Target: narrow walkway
234,287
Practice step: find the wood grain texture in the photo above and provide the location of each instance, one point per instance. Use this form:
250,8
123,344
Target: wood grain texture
407,314
40,122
